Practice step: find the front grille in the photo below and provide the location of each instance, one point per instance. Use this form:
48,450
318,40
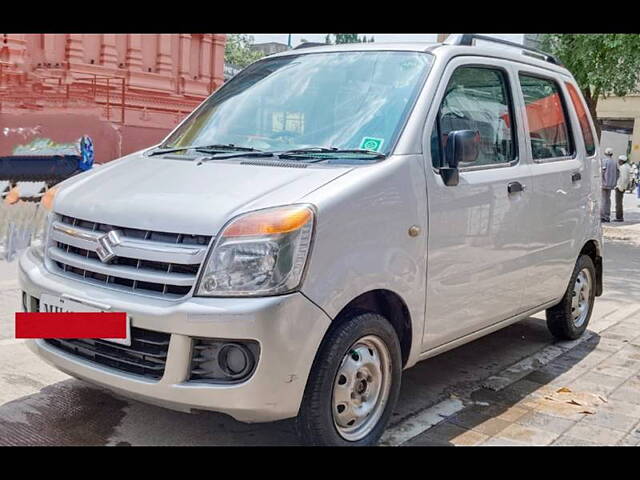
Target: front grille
142,261
146,356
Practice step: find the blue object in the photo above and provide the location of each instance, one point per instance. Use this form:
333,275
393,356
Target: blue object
87,153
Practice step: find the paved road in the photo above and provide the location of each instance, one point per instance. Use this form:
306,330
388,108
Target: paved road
39,405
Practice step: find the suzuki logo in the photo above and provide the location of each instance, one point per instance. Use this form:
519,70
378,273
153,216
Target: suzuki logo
106,243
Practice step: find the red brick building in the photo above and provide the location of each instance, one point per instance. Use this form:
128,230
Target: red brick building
126,91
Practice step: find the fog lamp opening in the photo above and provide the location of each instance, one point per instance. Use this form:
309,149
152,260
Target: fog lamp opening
223,361
235,360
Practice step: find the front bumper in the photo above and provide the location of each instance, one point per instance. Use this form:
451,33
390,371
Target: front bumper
289,329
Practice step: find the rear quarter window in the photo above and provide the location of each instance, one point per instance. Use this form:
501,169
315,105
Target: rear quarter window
583,118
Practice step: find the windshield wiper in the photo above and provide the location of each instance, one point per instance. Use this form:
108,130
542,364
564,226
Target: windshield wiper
160,151
309,150
329,152
225,155
229,147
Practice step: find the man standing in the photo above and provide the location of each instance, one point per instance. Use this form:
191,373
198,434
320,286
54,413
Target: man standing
609,181
635,171
623,183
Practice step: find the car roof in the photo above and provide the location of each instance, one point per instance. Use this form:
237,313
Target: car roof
486,49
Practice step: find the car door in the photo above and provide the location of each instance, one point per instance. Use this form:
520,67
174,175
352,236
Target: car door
560,186
478,241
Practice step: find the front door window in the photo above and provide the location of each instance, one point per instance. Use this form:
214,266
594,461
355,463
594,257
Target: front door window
477,99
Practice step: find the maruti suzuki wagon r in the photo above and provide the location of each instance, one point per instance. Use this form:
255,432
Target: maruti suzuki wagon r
329,217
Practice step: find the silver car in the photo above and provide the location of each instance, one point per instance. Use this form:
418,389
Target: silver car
326,219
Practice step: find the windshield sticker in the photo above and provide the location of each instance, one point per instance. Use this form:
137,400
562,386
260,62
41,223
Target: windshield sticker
371,143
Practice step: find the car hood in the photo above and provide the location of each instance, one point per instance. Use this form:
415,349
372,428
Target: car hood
180,196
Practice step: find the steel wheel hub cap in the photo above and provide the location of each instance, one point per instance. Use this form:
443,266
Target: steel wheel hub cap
361,388
581,297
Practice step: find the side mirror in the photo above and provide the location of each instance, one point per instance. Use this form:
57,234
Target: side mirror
462,146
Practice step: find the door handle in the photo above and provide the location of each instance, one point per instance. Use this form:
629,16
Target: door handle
515,187
576,177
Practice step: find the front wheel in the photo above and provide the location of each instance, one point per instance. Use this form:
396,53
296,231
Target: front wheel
353,385
569,319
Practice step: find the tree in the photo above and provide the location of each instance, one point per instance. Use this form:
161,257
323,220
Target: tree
602,64
238,51
344,38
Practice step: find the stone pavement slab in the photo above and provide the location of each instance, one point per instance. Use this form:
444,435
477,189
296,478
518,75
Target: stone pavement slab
596,434
568,441
545,422
528,434
611,420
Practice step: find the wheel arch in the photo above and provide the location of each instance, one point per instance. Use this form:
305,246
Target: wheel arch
388,304
593,249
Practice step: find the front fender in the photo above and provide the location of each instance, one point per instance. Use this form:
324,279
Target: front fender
362,241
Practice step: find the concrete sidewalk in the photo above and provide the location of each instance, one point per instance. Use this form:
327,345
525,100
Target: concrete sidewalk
629,230
589,395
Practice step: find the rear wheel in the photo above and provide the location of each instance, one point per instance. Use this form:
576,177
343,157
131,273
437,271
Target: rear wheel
354,384
569,319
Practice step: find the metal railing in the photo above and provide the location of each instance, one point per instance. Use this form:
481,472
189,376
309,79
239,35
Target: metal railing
103,89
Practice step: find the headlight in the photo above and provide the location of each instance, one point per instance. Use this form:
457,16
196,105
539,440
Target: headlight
40,237
44,216
259,253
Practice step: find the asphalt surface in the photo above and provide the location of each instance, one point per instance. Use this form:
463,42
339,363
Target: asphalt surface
42,406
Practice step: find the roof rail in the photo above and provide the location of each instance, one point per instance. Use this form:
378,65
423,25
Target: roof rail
310,44
468,38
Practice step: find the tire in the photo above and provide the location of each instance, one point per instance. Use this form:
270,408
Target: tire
561,319
345,358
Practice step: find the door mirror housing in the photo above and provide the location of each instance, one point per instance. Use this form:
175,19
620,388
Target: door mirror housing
461,146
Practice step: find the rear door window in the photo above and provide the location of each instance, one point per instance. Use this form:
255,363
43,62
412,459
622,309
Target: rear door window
547,119
583,118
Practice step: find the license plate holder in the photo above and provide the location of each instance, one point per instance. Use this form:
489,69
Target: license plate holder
53,303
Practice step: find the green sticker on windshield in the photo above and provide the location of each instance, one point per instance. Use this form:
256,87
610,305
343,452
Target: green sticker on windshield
371,143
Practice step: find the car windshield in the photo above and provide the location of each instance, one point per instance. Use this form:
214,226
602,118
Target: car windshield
340,100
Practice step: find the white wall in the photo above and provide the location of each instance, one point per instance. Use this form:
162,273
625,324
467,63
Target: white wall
618,141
